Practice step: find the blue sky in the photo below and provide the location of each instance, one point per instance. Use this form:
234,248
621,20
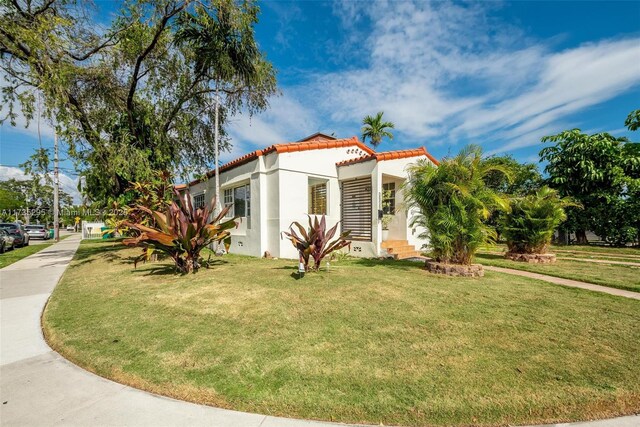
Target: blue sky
501,75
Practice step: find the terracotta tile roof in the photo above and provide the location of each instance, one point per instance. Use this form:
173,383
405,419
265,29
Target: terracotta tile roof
180,186
390,155
318,136
291,147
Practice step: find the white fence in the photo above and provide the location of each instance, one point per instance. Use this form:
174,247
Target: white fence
92,230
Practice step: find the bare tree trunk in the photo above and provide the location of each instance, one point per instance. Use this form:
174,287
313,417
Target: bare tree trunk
581,237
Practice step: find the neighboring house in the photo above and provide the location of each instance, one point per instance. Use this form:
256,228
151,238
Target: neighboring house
341,178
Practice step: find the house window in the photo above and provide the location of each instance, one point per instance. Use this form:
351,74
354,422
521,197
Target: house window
389,198
240,200
198,201
317,197
228,200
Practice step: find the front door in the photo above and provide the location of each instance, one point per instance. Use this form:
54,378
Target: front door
356,208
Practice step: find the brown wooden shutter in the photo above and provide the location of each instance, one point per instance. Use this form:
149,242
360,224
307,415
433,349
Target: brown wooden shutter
356,208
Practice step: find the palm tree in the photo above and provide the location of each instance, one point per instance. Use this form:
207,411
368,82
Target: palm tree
454,201
375,129
529,226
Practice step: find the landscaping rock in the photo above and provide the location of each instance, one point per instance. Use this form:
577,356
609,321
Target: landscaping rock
532,258
473,270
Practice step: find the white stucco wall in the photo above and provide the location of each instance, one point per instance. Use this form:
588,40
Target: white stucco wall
279,185
295,170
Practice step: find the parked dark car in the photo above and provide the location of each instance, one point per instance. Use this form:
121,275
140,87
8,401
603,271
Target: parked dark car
37,231
6,241
17,231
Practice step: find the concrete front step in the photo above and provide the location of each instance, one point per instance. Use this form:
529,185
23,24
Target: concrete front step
393,243
401,249
405,255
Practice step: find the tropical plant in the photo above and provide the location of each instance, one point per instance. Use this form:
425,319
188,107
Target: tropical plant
454,201
153,194
375,129
532,220
387,216
315,242
386,221
182,232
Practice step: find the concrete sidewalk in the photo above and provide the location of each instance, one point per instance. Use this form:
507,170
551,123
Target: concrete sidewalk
40,388
566,282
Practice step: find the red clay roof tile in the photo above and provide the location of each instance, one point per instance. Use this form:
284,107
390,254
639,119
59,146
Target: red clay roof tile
290,148
390,155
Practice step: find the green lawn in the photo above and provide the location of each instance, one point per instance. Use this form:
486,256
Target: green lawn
591,256
599,249
578,250
366,342
17,254
612,275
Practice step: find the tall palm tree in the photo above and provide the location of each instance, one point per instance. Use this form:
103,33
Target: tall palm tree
375,129
454,201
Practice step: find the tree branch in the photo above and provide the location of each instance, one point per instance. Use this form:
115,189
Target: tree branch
135,76
107,43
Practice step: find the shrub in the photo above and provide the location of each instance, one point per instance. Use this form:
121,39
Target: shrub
528,228
182,232
315,242
453,202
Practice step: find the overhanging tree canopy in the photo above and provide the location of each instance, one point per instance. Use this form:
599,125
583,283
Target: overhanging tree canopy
128,99
602,173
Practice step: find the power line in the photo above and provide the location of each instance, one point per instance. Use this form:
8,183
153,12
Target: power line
71,171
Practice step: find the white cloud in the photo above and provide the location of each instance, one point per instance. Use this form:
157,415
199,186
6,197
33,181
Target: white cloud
570,81
446,72
68,184
285,120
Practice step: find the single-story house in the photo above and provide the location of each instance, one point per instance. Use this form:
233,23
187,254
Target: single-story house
341,178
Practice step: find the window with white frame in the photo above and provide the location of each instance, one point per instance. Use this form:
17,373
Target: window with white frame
228,200
317,196
240,200
389,198
198,201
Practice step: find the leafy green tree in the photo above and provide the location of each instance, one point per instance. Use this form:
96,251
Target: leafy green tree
31,201
633,120
600,172
226,49
10,202
529,226
524,179
128,99
454,203
374,128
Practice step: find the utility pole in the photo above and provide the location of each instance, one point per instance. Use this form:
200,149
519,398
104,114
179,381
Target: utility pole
216,137
56,184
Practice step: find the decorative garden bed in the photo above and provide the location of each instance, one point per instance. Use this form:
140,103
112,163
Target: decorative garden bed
532,258
473,270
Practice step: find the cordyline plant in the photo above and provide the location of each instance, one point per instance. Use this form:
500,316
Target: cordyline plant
182,232
529,227
153,194
314,242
